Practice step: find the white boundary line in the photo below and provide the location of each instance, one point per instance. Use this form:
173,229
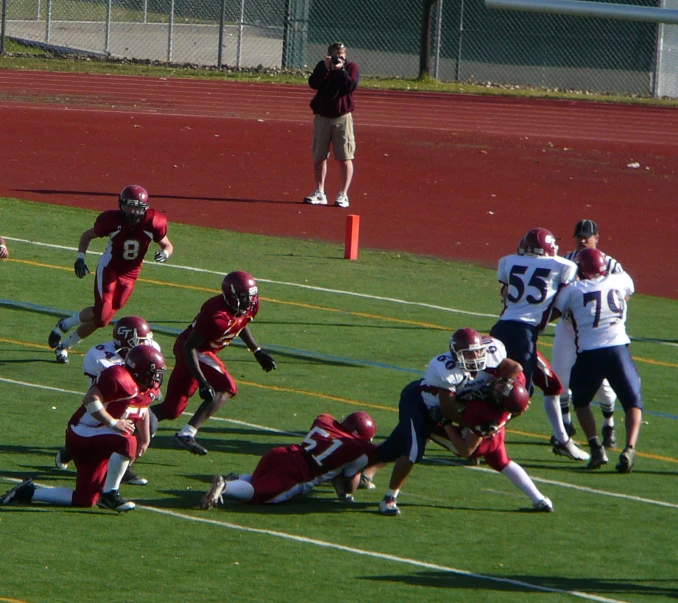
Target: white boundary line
314,288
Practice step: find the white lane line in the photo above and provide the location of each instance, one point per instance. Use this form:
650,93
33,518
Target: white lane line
313,288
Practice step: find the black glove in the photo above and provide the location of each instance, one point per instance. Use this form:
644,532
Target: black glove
81,268
207,392
266,361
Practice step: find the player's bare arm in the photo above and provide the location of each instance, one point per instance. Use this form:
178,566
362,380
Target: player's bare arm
143,435
85,239
448,406
194,341
263,358
509,369
166,250
93,402
464,444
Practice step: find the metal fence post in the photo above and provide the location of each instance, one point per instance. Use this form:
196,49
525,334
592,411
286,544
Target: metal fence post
48,21
439,19
3,30
457,69
107,43
170,32
222,23
145,11
241,27
37,11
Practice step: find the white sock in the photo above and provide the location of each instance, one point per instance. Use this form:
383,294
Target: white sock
607,398
555,417
240,490
71,340
188,430
117,465
54,496
70,322
392,493
608,421
521,480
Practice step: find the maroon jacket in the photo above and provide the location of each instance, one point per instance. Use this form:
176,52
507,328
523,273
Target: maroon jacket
334,96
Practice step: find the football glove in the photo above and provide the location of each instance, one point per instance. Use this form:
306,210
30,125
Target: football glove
265,360
207,392
81,269
161,256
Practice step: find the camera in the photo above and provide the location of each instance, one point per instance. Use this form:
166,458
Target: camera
337,60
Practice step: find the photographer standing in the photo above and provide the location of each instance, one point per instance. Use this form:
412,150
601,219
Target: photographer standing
335,80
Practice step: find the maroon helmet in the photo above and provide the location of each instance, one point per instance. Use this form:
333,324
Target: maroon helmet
521,247
512,396
539,241
240,292
468,349
591,263
133,203
146,365
130,332
360,424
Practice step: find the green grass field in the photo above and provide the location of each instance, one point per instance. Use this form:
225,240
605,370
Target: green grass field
346,336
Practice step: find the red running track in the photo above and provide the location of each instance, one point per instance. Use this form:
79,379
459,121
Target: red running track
459,177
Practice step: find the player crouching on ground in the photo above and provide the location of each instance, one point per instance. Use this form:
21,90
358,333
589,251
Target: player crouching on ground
100,435
331,450
128,332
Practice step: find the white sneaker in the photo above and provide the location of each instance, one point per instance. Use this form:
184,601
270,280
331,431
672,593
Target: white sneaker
214,496
389,507
61,354
316,198
342,200
569,449
543,506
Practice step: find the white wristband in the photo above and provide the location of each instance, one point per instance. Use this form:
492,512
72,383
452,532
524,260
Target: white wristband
112,422
255,351
3,246
80,256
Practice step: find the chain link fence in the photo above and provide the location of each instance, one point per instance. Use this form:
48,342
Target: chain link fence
469,42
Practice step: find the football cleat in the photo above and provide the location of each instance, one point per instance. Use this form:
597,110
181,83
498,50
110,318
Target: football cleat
55,336
62,459
22,493
61,354
365,483
113,501
347,499
130,477
609,436
569,449
188,442
543,506
389,507
214,495
626,460
598,457
232,477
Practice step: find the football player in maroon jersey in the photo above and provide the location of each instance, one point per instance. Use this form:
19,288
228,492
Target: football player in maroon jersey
331,450
130,231
221,319
101,435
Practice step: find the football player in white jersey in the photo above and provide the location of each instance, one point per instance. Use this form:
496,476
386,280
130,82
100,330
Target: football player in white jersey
128,332
530,280
424,402
597,302
565,350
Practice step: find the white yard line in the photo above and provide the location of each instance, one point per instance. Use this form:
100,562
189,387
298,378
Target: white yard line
314,288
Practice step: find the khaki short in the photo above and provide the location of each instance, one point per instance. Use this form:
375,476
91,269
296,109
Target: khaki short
335,130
